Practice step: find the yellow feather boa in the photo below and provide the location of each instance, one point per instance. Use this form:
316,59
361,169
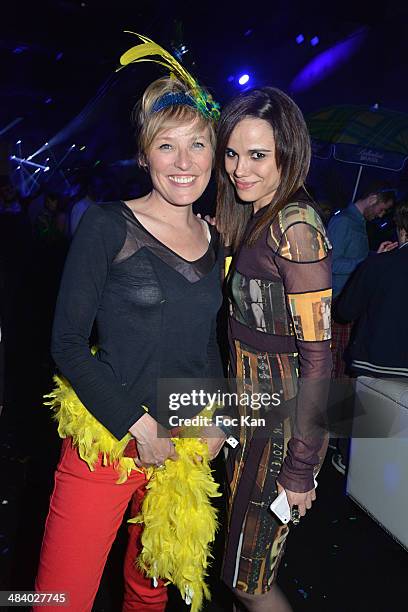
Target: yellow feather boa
179,520
88,435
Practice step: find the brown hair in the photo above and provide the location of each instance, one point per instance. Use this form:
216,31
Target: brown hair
148,124
382,189
401,215
292,153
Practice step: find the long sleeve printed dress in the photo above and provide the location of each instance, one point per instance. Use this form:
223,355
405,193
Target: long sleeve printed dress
279,330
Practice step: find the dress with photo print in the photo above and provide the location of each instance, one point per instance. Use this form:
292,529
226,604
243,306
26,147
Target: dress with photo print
279,332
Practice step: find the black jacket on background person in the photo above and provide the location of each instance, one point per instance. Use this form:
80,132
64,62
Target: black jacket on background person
377,298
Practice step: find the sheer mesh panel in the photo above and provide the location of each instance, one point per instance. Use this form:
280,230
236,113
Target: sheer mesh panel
137,238
302,243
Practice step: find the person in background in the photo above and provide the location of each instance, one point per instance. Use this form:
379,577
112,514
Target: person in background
51,222
15,260
348,235
376,297
9,199
85,197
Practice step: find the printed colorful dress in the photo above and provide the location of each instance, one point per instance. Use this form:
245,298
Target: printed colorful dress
279,331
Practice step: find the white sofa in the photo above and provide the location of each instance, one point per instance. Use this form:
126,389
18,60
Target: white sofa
378,470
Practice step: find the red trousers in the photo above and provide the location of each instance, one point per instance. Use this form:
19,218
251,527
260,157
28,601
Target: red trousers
86,511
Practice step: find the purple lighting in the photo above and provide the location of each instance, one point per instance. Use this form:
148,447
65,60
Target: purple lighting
314,41
299,39
243,79
327,62
20,49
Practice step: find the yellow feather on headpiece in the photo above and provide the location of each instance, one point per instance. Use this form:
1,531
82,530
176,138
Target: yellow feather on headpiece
148,47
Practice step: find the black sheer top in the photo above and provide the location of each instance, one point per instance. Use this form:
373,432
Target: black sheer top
155,314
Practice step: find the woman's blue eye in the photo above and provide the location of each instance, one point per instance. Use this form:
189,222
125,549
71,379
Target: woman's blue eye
199,145
230,153
165,146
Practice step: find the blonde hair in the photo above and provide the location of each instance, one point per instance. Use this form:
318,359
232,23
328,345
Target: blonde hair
148,123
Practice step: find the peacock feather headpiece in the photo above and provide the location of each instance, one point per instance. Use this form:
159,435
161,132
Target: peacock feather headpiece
197,97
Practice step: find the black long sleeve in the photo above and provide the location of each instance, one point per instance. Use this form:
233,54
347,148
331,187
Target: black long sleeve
90,258
154,311
356,294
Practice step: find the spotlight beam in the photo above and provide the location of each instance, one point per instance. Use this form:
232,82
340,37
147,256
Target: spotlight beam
10,125
28,163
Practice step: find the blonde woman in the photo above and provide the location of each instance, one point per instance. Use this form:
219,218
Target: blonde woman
147,272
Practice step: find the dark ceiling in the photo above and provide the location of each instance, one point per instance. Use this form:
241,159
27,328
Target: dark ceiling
57,54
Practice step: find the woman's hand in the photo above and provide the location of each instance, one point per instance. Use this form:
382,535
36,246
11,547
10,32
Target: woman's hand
153,441
210,220
302,500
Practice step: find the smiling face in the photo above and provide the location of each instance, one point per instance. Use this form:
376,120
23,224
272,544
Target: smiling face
250,162
180,161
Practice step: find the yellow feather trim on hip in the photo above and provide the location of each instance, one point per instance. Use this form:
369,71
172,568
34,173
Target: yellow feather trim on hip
180,522
88,435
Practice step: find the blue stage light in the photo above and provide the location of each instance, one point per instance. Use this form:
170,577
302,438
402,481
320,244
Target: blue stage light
243,79
337,212
324,64
299,39
59,56
18,142
314,41
180,50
